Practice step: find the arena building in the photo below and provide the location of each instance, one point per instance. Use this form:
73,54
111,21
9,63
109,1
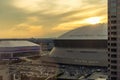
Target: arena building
16,49
82,46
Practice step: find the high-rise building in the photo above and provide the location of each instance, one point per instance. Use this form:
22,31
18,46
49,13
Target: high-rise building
114,39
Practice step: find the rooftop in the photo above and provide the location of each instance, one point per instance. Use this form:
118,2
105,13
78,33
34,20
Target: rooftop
16,43
98,31
95,57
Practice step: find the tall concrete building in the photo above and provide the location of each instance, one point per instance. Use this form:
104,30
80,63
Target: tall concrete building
114,39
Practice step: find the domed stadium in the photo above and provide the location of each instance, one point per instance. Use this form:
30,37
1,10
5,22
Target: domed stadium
82,46
15,49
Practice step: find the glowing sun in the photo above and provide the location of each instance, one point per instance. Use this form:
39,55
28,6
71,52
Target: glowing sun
93,20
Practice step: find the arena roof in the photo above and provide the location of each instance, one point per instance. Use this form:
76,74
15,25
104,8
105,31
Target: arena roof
98,31
79,56
16,43
85,50
79,53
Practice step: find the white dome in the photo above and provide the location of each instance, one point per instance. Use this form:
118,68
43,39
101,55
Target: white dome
98,31
82,46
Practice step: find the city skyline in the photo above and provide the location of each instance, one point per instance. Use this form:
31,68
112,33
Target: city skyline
46,18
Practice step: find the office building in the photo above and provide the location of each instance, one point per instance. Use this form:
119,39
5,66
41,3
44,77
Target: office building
114,39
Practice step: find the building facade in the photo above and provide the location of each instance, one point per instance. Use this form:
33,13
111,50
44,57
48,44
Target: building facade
114,39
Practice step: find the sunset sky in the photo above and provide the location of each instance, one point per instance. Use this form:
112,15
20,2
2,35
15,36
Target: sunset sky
47,18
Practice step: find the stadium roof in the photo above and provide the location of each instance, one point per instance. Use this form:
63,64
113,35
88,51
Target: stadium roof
16,43
98,31
79,53
80,56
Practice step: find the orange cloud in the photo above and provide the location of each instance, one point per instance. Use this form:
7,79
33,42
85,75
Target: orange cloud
65,27
23,30
46,18
48,6
32,19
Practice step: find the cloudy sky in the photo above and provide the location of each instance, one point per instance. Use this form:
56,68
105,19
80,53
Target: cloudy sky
47,18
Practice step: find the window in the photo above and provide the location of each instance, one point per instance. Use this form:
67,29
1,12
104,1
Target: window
113,16
113,1
113,33
113,10
108,27
113,50
113,67
113,44
108,49
113,55
113,72
113,21
113,78
108,60
108,33
113,27
114,61
113,39
113,4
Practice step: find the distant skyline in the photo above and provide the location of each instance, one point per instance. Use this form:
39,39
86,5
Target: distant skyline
47,18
